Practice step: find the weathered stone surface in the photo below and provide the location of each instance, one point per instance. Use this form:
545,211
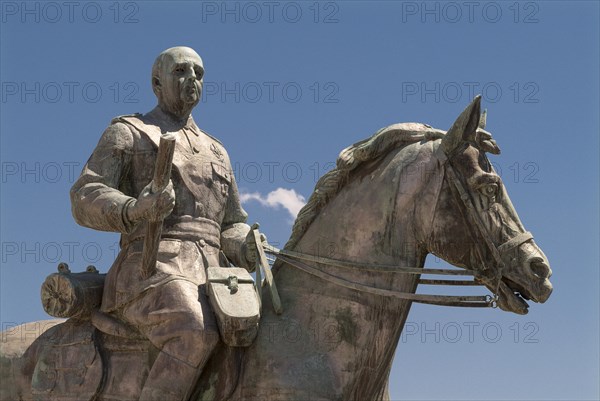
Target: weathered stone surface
407,191
15,340
178,212
236,304
16,370
67,294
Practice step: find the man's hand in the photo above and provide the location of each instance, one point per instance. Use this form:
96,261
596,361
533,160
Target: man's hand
152,206
249,247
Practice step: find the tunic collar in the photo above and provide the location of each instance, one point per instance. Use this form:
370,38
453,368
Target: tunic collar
167,123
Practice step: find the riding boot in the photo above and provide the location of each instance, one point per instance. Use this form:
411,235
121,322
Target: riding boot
170,379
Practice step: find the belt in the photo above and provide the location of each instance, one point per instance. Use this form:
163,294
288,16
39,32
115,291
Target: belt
187,228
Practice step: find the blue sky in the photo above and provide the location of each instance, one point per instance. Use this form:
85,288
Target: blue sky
287,86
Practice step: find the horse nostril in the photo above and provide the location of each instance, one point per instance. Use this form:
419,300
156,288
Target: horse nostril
540,268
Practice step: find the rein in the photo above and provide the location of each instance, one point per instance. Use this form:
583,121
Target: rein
473,219
479,301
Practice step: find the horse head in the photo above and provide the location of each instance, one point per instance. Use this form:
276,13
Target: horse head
475,224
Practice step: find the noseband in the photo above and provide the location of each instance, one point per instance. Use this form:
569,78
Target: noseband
482,276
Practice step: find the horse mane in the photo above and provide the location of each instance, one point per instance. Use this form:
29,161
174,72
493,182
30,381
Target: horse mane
385,140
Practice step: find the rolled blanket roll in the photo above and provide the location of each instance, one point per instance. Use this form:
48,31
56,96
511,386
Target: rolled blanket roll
72,295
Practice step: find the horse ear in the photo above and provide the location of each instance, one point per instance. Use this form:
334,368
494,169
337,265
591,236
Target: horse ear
483,119
464,127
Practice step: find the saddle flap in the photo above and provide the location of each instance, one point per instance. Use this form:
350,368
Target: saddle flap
69,366
235,303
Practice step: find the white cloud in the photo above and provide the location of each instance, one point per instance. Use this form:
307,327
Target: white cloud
281,197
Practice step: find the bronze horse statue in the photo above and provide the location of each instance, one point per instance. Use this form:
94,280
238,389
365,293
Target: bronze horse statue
347,278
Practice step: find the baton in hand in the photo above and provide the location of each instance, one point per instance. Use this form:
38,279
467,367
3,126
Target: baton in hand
162,175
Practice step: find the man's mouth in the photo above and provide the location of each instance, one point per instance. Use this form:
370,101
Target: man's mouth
189,93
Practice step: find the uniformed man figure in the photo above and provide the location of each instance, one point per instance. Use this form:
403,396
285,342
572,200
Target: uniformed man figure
203,220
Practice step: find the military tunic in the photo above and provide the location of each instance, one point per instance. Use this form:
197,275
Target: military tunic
207,222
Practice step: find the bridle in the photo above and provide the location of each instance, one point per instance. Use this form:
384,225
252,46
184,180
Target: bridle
482,276
473,219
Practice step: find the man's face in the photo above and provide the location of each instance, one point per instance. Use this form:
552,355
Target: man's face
180,80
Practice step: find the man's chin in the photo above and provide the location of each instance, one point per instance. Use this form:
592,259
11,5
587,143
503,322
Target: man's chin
190,100
189,95
181,110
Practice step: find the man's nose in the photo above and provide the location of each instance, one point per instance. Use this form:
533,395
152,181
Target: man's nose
190,74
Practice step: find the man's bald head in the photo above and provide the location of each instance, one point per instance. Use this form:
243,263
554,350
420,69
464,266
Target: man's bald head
172,55
177,80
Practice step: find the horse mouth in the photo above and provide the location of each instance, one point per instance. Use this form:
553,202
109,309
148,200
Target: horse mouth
512,297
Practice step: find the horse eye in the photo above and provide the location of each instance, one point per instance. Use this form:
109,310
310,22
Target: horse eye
489,190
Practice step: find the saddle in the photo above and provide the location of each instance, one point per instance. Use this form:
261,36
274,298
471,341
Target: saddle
81,358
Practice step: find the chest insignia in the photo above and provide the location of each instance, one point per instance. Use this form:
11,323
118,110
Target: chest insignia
217,152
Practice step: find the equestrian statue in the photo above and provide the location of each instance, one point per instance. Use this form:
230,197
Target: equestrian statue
178,315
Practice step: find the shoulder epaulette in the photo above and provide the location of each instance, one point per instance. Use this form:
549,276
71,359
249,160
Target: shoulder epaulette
124,117
211,137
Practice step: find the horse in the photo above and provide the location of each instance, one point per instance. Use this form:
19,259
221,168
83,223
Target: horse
350,271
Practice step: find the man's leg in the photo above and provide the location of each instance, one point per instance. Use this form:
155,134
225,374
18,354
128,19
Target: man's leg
178,321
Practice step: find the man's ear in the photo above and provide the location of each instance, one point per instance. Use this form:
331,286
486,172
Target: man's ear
156,86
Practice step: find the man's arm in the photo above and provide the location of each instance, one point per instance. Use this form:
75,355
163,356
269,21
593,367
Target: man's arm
96,201
235,229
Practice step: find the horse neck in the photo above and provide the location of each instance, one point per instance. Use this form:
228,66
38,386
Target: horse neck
379,216
371,220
